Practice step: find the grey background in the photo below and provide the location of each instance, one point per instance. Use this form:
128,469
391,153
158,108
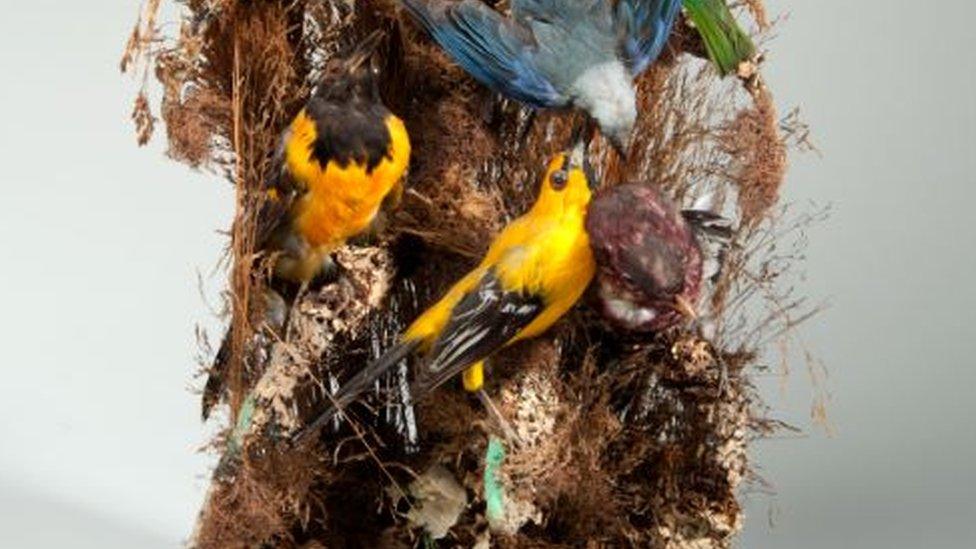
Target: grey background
102,244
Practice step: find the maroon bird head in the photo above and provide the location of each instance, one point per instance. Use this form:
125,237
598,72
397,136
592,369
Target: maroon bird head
649,263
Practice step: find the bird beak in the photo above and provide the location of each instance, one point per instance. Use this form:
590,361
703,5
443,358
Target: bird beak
618,145
365,50
577,155
685,307
578,160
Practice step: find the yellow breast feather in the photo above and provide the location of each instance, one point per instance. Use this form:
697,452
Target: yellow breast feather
341,201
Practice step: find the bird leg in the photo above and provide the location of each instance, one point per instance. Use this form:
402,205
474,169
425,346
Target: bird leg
330,271
723,377
510,435
584,130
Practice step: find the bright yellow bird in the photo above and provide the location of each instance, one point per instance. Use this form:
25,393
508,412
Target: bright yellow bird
534,271
343,156
340,161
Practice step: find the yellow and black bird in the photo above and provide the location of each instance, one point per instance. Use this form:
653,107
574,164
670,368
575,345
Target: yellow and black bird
534,272
342,159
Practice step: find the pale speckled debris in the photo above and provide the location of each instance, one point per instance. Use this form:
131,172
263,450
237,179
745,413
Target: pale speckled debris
317,319
438,501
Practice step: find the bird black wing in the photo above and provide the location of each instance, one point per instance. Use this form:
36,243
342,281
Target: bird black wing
483,321
495,50
279,192
645,26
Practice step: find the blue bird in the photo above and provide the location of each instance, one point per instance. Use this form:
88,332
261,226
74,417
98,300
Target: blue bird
556,53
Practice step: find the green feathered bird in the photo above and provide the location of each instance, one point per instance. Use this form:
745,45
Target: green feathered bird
726,42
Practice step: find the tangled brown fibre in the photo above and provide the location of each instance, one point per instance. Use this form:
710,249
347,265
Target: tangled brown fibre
627,441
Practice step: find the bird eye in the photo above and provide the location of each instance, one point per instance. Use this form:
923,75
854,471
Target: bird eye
559,179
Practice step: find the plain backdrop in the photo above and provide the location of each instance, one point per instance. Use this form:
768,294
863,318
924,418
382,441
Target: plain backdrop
106,247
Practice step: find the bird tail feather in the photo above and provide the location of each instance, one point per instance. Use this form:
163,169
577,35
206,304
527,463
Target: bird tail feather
714,235
274,313
488,46
216,381
709,224
357,386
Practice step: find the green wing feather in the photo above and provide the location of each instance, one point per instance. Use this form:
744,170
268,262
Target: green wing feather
726,42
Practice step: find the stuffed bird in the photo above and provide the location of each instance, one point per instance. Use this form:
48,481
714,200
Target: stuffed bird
649,259
342,159
556,53
532,274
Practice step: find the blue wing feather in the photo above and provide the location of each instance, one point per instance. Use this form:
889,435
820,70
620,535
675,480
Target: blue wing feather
646,25
496,51
552,10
